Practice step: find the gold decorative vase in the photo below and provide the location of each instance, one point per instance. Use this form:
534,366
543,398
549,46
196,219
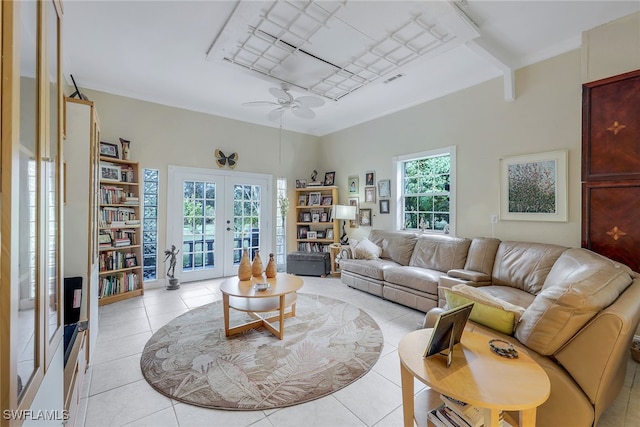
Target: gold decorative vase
244,269
256,267
271,267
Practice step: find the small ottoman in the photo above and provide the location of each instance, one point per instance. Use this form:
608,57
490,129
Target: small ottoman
309,263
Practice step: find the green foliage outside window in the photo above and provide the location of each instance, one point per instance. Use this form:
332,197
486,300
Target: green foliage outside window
426,185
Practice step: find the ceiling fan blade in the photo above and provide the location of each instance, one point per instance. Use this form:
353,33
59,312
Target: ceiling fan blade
310,101
275,114
259,103
281,94
303,112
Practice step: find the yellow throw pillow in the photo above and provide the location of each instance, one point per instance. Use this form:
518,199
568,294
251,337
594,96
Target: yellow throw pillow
488,310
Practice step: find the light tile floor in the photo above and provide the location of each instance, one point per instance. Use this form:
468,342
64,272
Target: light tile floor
117,394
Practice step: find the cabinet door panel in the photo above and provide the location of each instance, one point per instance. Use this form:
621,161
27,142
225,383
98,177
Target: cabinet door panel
611,128
610,220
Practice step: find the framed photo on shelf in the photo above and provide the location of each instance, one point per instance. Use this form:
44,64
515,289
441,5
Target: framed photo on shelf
365,217
302,231
306,216
109,150
302,200
384,188
315,217
329,178
324,217
320,234
315,198
370,178
109,172
384,206
301,183
104,239
328,234
370,194
131,262
327,200
352,184
312,234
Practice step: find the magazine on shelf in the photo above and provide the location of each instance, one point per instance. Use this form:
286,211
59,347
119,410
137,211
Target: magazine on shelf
472,415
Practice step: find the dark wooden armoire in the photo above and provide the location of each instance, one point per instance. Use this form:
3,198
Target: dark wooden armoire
611,168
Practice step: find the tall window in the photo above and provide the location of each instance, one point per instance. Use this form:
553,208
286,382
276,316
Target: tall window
427,191
150,223
281,229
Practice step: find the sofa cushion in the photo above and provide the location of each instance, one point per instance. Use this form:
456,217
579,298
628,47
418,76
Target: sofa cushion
442,253
396,246
364,249
420,279
487,310
524,265
368,268
580,284
511,295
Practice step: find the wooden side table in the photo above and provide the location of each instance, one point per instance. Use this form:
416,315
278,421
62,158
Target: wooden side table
476,376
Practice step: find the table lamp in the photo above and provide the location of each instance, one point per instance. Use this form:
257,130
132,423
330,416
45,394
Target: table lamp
345,213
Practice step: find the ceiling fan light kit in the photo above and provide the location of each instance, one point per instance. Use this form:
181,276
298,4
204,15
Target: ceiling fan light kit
300,107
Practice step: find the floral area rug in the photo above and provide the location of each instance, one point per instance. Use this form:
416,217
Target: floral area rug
327,345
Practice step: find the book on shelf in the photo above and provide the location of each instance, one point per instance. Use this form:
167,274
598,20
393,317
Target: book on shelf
472,415
118,283
122,242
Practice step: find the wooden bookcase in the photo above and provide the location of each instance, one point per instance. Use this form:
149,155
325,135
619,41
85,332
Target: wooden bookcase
119,231
316,218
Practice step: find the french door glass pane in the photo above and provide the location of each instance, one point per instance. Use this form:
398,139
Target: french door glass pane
198,210
246,212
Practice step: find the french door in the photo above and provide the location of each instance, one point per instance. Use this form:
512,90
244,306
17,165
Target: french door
212,216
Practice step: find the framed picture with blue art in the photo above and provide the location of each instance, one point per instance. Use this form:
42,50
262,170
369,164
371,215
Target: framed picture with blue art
533,187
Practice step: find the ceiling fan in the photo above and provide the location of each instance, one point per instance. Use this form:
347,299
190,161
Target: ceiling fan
300,106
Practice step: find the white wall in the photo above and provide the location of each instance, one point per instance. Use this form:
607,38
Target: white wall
545,116
162,136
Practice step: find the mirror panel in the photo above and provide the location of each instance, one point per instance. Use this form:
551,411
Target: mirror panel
50,164
28,206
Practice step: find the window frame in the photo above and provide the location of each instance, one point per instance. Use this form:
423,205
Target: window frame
399,162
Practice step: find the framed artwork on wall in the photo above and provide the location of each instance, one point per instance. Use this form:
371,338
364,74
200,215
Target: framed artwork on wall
384,206
365,217
533,187
352,185
370,194
370,178
384,189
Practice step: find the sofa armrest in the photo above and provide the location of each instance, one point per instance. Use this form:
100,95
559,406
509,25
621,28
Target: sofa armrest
596,357
470,276
449,282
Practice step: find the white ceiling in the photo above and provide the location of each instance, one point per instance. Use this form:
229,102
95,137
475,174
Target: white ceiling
172,52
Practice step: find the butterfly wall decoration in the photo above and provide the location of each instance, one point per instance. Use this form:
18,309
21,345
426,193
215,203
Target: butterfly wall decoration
223,160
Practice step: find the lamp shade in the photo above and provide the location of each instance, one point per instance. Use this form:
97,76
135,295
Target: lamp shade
344,212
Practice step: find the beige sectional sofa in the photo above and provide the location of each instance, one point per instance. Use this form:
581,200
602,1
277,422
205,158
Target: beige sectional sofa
580,310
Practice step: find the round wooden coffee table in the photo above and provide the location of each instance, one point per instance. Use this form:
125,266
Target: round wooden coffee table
477,376
242,295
